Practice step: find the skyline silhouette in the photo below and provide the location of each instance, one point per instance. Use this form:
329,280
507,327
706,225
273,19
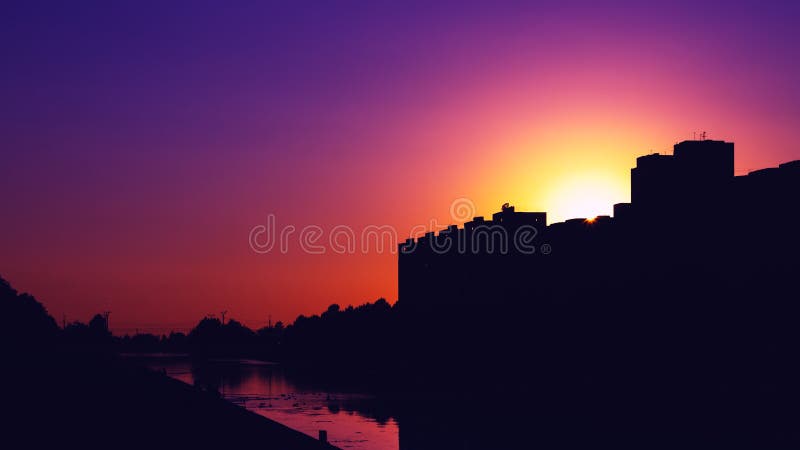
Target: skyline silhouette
696,181
141,143
400,225
674,319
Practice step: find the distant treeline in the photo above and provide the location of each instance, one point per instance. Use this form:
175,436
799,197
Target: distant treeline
337,336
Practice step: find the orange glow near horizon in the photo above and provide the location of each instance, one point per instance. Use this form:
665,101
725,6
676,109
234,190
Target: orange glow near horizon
134,191
568,170
587,196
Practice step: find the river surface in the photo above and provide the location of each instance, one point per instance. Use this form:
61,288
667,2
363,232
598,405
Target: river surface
352,420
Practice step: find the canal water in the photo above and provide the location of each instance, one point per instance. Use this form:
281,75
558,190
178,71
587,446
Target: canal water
352,420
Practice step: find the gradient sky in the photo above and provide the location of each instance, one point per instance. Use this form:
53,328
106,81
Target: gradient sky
142,142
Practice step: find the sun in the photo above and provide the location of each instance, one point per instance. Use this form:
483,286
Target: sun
584,196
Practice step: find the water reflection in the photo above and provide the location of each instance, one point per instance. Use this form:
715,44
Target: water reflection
352,420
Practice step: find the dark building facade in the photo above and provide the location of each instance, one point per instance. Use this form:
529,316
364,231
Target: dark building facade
688,199
695,179
678,314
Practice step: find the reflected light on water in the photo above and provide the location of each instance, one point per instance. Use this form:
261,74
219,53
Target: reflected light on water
267,390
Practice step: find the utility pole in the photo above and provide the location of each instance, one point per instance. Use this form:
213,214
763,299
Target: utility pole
105,317
222,313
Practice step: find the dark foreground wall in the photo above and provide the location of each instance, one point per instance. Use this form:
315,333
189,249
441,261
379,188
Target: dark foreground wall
86,402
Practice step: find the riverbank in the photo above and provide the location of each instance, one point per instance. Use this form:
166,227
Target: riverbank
106,402
354,419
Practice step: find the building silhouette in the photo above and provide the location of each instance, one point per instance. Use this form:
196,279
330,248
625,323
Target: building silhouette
688,213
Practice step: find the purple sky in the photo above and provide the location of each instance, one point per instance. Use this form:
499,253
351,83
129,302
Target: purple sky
141,141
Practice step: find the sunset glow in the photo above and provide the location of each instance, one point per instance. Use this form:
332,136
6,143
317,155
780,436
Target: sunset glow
586,196
140,152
